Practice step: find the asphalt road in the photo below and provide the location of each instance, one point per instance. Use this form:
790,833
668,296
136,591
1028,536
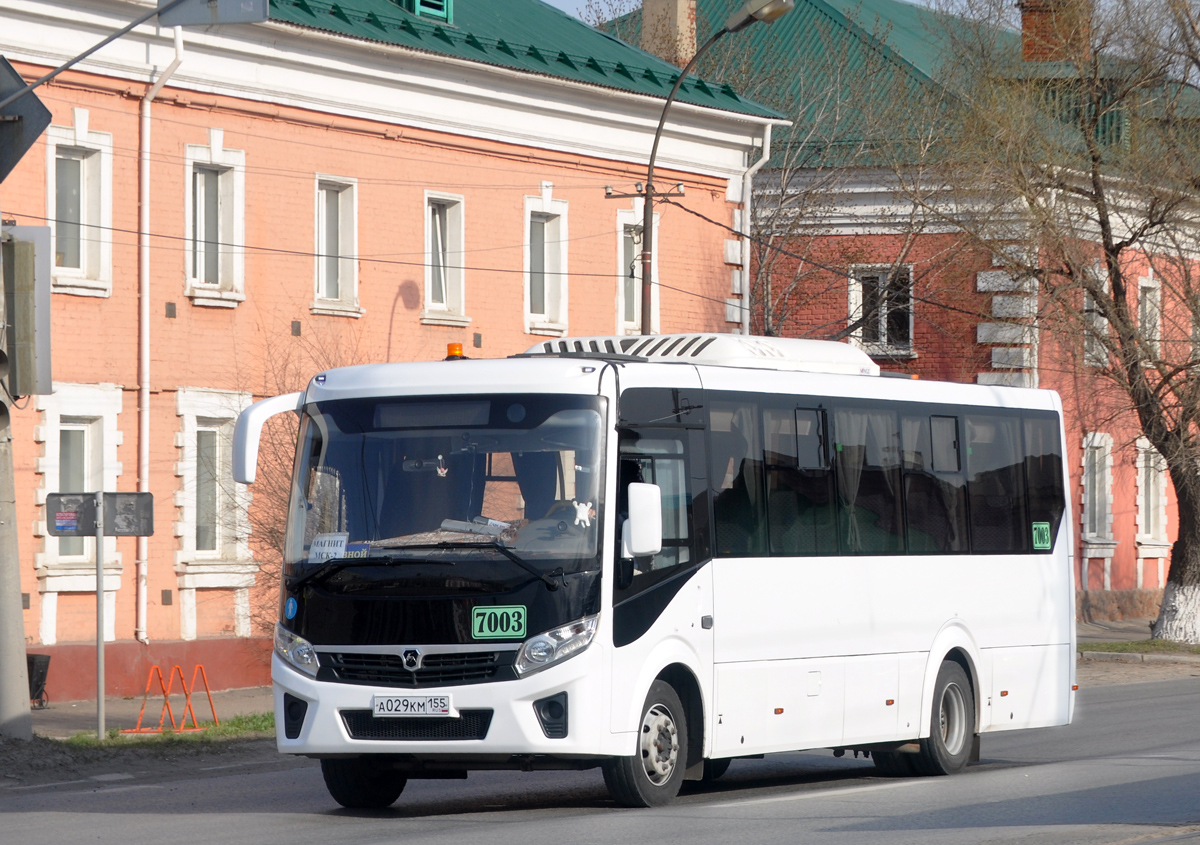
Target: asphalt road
1127,771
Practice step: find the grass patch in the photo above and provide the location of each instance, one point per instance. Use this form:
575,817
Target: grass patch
245,726
1142,647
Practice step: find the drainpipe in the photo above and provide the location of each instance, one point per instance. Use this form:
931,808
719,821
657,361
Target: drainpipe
746,189
143,543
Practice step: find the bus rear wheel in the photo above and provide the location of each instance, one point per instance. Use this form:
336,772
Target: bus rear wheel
653,775
361,783
952,725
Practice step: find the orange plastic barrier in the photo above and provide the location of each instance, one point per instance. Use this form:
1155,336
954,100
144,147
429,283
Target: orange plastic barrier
165,687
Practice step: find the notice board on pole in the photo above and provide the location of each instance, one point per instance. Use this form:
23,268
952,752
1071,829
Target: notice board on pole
125,514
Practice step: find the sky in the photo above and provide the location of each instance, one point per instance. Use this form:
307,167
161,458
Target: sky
575,7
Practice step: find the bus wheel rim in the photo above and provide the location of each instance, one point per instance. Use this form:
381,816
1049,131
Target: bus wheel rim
952,719
659,744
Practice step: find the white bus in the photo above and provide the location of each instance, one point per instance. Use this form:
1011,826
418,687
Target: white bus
655,555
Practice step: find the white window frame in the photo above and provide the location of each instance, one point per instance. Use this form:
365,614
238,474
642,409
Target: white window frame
1095,351
452,312
883,348
231,164
232,565
553,323
632,217
345,304
1150,306
1097,545
96,408
95,151
1151,544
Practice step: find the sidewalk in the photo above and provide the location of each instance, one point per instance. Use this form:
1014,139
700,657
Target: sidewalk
1127,630
63,719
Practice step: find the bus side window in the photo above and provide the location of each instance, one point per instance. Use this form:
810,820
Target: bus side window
935,493
996,484
1043,476
735,478
659,457
868,474
800,515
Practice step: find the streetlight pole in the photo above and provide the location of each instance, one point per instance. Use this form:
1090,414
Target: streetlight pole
767,11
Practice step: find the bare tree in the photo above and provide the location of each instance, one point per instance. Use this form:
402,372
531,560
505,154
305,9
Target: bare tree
1071,155
286,364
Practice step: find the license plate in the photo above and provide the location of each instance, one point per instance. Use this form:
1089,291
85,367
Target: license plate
395,706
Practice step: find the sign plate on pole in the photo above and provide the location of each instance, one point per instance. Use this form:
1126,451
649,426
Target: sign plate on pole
128,514
212,12
71,514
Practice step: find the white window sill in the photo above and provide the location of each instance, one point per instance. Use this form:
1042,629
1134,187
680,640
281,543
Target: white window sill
213,297
891,353
1096,547
547,329
335,308
73,285
444,318
210,573
1153,549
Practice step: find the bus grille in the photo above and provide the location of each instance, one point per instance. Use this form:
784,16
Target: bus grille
471,724
437,670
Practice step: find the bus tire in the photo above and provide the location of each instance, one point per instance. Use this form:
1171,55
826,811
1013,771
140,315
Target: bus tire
360,783
951,726
713,769
893,764
652,777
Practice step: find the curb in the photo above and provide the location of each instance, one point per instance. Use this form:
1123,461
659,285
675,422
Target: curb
1133,657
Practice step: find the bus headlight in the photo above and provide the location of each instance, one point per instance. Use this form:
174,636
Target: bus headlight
296,651
556,646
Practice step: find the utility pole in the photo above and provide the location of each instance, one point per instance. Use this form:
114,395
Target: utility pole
16,722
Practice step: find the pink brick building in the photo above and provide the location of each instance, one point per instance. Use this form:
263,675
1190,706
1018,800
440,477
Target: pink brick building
338,185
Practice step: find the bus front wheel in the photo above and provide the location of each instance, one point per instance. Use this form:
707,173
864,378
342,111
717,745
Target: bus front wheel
952,725
653,775
361,783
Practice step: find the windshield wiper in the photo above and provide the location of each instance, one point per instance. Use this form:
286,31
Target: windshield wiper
545,577
336,565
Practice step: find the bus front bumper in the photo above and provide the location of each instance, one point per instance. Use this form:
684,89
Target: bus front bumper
335,724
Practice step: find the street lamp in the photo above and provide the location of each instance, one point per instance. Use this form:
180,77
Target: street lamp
767,11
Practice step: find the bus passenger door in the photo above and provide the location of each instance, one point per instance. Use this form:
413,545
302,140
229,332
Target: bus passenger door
662,605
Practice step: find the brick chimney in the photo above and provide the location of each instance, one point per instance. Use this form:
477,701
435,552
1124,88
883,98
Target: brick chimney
669,29
1055,30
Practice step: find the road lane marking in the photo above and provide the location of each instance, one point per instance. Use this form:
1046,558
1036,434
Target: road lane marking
801,796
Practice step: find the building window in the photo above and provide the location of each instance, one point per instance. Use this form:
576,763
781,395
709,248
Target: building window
1096,518
1150,313
1152,497
440,9
206,224
546,263
79,436
336,248
1095,349
215,222
629,271
73,475
213,528
444,275
79,206
881,305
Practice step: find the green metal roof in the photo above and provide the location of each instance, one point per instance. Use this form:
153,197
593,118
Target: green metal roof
521,35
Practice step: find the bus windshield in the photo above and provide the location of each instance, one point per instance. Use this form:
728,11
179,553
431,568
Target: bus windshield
449,478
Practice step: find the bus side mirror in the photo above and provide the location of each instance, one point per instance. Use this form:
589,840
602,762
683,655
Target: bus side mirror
249,428
641,536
